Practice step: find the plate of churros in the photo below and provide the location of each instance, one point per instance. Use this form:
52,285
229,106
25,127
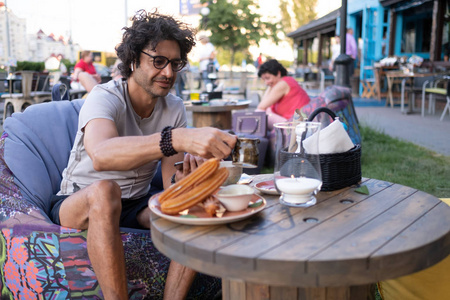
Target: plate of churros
191,200
197,215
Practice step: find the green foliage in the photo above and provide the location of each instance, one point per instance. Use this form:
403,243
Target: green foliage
224,57
296,13
285,63
235,25
69,65
30,66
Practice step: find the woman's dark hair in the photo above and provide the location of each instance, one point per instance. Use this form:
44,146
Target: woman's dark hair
272,66
148,29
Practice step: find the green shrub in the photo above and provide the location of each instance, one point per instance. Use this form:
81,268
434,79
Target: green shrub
30,66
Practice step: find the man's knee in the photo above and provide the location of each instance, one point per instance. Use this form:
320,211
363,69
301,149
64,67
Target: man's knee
105,197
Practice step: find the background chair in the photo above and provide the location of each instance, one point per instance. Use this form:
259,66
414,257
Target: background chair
368,83
447,106
42,259
436,89
241,90
325,75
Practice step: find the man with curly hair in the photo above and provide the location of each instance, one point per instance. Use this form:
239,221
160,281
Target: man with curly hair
125,128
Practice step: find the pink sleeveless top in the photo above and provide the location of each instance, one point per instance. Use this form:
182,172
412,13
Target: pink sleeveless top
296,98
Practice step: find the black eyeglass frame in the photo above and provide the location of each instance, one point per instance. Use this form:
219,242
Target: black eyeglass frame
182,62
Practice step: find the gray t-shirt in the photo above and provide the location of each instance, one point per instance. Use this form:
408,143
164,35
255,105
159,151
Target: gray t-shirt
111,101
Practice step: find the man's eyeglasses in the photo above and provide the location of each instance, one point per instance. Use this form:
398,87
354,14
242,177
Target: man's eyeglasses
160,62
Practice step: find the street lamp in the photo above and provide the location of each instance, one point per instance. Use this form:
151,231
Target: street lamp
204,11
343,60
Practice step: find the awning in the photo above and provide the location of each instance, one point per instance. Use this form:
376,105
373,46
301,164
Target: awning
390,2
323,25
403,4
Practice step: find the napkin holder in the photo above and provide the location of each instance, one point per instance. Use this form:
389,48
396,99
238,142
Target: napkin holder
339,170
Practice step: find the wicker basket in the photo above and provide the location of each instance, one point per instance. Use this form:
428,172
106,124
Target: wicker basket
339,170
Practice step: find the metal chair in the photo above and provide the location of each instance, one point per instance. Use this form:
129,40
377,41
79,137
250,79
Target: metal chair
435,87
447,106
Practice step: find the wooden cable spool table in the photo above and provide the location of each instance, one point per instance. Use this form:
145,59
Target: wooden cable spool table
218,116
335,249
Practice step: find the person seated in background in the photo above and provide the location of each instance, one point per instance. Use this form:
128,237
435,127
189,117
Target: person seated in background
283,94
84,74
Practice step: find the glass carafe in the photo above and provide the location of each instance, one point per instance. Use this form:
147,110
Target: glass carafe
297,174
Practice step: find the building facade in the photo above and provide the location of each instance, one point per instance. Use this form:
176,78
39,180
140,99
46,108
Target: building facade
382,28
13,41
17,45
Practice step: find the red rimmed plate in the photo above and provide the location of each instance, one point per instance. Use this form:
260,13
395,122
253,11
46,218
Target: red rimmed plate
197,216
267,187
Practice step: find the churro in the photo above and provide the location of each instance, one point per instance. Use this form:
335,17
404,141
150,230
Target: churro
196,177
195,195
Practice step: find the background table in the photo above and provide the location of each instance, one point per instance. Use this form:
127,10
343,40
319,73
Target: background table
218,116
404,77
333,250
380,74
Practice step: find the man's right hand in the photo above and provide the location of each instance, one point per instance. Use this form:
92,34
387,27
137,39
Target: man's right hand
206,142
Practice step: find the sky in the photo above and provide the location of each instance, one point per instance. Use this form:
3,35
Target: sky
97,24
94,24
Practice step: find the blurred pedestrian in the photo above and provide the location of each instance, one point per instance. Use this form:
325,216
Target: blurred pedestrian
351,49
84,74
207,55
258,61
335,51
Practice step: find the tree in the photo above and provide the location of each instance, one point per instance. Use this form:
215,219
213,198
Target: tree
296,13
235,25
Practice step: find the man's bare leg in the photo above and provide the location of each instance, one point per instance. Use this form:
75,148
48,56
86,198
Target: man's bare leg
97,208
179,278
178,282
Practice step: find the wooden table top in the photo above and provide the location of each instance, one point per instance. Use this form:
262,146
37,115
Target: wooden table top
217,108
357,239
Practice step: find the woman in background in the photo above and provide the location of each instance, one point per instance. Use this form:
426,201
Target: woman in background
283,95
84,74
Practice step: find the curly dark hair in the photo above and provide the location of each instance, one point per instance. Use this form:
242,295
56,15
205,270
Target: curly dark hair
148,29
272,66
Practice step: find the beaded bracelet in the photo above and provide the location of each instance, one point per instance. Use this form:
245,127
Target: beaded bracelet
165,144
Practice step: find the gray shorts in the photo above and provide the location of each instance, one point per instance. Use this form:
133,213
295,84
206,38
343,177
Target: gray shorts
130,209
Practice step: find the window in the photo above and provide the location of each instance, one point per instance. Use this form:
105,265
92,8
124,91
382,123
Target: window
416,31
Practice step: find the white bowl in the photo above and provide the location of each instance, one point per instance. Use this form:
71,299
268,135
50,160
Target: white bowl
234,172
235,197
